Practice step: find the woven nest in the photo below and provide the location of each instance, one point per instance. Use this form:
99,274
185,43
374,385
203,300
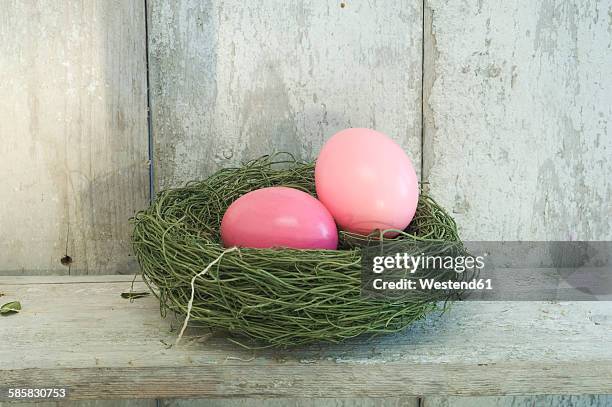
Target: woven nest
279,297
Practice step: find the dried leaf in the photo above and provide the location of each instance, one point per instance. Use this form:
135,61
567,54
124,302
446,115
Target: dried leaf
135,294
10,308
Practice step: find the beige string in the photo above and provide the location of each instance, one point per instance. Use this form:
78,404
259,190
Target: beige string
190,304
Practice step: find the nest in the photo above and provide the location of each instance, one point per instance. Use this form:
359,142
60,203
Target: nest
280,297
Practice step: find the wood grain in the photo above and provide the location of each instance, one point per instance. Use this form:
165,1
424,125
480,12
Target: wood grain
518,104
73,129
315,402
83,403
520,401
233,80
296,402
86,336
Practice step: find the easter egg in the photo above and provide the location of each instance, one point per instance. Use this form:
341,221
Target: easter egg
278,217
366,181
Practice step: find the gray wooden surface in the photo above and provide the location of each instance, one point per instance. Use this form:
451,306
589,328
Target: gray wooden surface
520,401
233,80
79,332
314,402
73,130
518,101
80,403
489,401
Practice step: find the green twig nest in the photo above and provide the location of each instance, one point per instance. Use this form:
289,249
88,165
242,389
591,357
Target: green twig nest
276,296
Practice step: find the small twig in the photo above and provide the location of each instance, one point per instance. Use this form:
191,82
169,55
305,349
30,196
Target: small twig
190,304
166,344
132,295
252,358
133,281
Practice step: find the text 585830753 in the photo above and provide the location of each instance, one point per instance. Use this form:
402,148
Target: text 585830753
29,393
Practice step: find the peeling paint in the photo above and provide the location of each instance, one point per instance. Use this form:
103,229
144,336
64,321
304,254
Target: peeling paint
277,76
516,126
72,124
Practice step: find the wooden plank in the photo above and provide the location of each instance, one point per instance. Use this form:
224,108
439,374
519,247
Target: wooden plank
74,138
517,129
520,401
233,80
324,380
313,402
81,403
54,279
86,336
318,402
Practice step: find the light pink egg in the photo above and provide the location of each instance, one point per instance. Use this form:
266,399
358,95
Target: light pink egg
278,217
366,181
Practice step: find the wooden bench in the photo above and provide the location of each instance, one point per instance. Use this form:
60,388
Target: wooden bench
79,332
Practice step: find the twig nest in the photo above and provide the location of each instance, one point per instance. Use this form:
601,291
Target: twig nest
280,297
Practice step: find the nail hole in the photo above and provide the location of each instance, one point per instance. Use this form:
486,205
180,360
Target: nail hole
342,5
66,260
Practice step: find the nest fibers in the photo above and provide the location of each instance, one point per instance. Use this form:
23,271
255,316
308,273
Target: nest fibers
280,297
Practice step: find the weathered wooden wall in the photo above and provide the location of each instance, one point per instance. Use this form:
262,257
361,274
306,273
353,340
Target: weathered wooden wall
232,80
517,104
518,116
73,134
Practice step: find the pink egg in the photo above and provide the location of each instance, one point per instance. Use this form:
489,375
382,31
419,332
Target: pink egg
278,217
366,181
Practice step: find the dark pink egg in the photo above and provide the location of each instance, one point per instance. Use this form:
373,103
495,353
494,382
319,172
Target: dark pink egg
278,217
